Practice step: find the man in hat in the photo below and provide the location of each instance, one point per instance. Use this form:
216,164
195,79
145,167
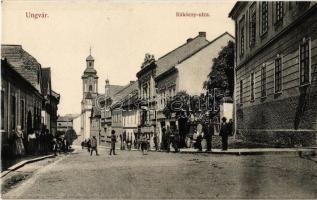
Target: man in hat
224,133
113,142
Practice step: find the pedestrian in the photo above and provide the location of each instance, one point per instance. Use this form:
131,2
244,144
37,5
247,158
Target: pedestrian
144,144
55,146
198,142
224,132
168,138
124,139
176,140
31,142
121,142
155,142
18,140
93,145
113,142
82,144
163,142
208,132
88,145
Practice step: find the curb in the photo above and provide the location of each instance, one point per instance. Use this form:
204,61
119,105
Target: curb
302,151
22,163
241,153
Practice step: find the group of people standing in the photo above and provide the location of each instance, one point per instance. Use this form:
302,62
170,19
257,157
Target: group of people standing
171,138
33,143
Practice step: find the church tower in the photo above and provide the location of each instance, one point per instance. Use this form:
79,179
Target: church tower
90,92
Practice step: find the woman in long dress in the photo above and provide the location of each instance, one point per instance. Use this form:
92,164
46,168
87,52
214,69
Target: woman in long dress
19,147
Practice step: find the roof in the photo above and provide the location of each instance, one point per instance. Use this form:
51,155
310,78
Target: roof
8,68
236,8
90,58
46,80
22,62
114,89
64,119
128,89
172,58
158,77
90,70
56,95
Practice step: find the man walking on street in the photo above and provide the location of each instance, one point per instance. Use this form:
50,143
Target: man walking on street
113,142
224,132
93,145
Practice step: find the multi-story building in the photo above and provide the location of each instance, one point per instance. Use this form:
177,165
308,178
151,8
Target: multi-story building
101,113
185,69
125,118
130,111
50,102
23,96
20,106
147,95
63,123
275,72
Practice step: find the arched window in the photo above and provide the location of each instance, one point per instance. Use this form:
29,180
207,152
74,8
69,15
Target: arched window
90,88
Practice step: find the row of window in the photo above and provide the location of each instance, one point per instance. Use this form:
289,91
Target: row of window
264,22
129,119
166,95
304,72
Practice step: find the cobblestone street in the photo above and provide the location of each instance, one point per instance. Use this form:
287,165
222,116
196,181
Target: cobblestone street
169,175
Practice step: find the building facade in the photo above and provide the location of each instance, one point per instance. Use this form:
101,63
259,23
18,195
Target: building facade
188,74
275,72
63,123
50,101
23,97
20,106
147,96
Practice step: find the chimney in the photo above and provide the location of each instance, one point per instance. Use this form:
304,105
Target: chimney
189,39
202,34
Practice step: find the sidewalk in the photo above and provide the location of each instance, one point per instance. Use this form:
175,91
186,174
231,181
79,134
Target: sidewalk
255,151
15,164
240,151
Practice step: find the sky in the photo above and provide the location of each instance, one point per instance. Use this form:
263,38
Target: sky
119,33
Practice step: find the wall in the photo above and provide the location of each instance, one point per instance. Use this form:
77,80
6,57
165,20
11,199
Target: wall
274,118
193,72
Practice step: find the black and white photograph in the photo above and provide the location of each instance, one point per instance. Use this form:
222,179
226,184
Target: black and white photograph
168,99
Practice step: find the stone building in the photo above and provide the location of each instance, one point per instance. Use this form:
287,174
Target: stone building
90,92
20,106
101,114
130,112
124,118
275,72
50,102
185,69
63,123
147,95
23,96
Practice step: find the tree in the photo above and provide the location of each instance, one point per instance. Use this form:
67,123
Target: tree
222,71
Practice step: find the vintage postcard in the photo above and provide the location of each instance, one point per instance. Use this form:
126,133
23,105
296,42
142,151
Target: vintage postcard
170,99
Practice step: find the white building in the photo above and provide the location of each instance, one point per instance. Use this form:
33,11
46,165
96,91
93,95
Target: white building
90,91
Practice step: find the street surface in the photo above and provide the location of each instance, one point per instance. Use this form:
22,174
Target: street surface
168,175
